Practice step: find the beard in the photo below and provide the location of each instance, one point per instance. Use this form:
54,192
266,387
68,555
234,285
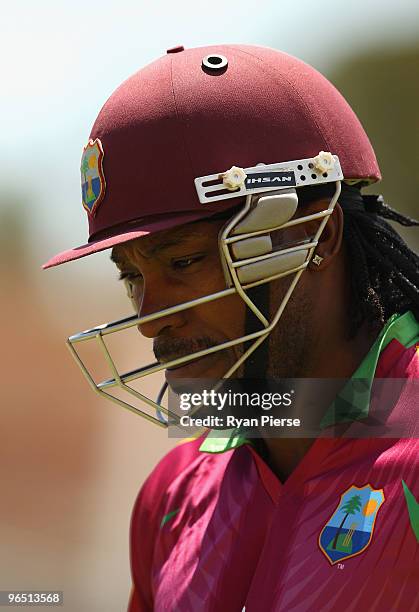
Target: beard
167,349
291,340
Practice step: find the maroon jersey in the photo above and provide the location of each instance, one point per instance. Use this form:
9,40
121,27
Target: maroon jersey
213,528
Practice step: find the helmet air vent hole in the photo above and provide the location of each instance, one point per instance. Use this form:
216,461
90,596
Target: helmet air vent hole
214,63
324,174
314,176
299,167
310,165
210,183
302,177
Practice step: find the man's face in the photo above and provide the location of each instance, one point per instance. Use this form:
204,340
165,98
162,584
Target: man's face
177,266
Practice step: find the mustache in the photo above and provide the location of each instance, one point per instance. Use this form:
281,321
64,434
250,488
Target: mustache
167,349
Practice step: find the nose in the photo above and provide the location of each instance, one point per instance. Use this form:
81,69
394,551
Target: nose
154,297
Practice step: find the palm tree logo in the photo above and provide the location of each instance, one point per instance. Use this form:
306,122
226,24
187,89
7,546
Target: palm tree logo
352,506
93,179
88,164
341,538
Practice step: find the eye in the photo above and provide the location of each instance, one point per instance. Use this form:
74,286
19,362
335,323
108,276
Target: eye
130,280
186,262
131,277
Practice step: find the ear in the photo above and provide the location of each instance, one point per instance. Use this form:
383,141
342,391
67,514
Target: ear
330,240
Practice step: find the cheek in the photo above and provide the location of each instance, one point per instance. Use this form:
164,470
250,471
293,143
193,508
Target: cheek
279,289
211,278
222,319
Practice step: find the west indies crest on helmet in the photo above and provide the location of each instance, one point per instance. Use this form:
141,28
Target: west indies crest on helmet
93,182
201,111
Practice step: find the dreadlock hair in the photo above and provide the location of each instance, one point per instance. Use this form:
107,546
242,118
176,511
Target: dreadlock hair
384,271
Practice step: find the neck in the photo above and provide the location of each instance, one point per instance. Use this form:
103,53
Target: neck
335,357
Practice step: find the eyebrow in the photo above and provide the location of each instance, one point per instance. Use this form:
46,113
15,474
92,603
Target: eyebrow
164,244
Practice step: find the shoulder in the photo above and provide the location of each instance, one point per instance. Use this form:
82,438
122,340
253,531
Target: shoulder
398,361
177,478
149,509
173,464
185,479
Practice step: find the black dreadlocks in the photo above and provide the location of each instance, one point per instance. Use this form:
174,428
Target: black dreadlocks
384,271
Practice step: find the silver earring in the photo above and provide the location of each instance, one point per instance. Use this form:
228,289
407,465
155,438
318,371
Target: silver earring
317,260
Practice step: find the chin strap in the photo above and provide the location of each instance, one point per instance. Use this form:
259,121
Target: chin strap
256,365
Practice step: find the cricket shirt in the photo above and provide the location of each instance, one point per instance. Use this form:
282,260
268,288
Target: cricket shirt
214,530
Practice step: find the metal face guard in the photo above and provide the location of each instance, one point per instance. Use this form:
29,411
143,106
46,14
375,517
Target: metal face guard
247,258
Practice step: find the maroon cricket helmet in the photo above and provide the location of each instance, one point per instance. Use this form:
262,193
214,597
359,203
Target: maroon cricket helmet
197,112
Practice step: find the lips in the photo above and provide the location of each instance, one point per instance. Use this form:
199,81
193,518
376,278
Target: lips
182,365
168,349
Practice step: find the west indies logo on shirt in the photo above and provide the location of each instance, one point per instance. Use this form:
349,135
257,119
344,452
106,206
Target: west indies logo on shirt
92,178
349,530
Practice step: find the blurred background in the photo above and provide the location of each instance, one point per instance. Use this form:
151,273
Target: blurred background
71,463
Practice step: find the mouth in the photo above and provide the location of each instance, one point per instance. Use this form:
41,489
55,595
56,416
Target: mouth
195,368
168,349
211,365
182,365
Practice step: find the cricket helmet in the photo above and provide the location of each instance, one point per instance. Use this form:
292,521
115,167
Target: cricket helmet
197,132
